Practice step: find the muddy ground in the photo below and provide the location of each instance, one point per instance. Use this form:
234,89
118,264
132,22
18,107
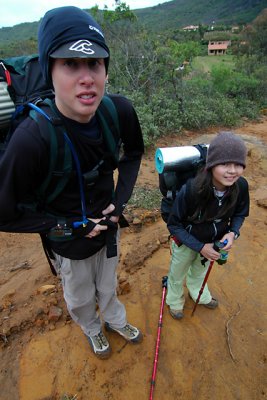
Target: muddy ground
214,355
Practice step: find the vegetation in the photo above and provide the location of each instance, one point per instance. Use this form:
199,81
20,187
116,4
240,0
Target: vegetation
143,197
171,81
179,13
174,87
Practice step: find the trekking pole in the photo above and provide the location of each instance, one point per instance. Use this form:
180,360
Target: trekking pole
202,287
153,379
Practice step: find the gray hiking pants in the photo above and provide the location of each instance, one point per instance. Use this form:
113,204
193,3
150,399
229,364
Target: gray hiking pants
90,282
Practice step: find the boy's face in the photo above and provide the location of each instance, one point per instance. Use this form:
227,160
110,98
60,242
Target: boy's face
225,175
79,85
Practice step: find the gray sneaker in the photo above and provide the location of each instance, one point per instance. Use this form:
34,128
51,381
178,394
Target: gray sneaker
176,314
100,345
128,332
212,304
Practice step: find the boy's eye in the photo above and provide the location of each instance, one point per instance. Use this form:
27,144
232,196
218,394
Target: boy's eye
71,62
76,63
92,62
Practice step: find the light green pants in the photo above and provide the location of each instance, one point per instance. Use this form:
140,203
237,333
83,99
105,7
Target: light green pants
186,265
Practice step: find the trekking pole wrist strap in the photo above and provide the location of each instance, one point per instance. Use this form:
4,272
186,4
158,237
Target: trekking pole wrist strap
83,229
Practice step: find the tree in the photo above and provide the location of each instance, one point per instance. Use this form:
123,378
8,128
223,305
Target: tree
256,35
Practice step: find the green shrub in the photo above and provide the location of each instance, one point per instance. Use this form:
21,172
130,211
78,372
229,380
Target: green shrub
158,115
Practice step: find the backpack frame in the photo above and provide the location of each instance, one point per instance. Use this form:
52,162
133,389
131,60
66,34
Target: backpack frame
170,182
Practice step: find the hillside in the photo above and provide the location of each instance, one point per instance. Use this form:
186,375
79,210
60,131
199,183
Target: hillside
179,13
169,15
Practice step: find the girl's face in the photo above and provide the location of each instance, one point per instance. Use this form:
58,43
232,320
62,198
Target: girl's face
79,85
225,175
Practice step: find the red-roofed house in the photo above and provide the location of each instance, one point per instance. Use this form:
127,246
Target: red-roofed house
217,48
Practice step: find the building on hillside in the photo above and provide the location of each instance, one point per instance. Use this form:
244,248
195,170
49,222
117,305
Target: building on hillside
218,48
235,29
190,28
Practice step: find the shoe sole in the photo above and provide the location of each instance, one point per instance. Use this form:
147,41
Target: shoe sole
102,356
210,307
137,340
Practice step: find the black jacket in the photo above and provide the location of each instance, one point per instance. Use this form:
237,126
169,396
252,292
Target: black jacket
194,235
25,164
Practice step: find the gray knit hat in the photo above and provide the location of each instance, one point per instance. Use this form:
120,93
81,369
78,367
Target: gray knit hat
226,147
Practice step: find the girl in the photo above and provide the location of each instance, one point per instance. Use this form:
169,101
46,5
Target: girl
212,206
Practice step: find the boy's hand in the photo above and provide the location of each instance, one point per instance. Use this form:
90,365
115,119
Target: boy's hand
109,210
98,228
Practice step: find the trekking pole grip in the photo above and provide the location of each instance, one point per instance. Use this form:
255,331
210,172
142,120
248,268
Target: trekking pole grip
164,281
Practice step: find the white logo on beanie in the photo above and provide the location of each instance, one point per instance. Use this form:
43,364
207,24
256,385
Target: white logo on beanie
83,46
93,28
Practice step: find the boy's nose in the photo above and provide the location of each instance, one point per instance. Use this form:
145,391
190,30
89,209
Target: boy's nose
86,75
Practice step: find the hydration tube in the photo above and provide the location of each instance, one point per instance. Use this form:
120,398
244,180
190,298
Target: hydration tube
84,221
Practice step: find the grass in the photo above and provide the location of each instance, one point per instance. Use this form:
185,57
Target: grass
143,197
205,63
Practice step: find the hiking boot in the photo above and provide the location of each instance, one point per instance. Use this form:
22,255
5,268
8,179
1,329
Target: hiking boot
99,345
128,332
176,314
212,304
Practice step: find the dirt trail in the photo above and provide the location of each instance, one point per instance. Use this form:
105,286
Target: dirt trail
220,354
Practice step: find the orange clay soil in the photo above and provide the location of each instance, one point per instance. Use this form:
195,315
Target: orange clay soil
217,354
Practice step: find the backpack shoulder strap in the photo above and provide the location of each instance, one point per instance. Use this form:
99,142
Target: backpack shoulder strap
109,121
168,184
60,163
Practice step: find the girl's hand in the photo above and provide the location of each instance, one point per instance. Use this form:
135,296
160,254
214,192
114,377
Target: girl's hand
209,252
230,237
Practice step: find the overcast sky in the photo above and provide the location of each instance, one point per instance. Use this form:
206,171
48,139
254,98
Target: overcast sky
16,11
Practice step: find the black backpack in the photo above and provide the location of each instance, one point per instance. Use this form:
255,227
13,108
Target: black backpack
171,181
23,93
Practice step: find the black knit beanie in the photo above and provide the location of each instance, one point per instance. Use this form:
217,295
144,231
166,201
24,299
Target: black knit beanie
62,25
226,147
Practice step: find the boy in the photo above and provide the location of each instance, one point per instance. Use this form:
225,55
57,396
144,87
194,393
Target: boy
74,59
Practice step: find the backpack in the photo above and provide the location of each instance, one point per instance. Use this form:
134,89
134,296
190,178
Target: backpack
176,165
23,93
